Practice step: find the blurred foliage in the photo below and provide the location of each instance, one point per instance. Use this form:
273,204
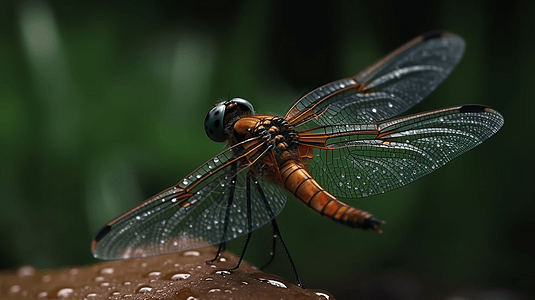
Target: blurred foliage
102,105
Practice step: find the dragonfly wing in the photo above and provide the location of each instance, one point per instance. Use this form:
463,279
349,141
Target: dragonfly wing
192,214
352,161
385,89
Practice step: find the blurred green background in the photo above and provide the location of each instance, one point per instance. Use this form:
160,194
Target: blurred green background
102,105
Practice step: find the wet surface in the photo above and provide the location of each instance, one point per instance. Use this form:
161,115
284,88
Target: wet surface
175,276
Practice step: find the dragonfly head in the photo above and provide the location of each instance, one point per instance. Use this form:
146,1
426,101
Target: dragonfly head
217,119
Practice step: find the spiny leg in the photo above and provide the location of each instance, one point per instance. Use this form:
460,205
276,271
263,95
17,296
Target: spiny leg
222,245
249,222
273,244
276,232
220,249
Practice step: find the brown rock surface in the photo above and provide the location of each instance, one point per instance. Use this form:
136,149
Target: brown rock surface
175,276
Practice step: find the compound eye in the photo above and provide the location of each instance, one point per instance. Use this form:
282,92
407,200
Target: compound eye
213,124
244,105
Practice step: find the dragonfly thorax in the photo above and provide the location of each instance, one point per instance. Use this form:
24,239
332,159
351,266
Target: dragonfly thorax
278,132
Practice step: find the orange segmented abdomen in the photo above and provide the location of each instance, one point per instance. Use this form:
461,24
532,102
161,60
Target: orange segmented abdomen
298,181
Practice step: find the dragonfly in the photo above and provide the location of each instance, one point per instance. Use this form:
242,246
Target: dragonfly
340,141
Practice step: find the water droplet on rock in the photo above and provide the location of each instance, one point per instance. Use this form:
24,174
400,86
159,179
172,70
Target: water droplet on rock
224,273
323,295
65,292
106,271
192,253
42,295
154,274
143,289
25,271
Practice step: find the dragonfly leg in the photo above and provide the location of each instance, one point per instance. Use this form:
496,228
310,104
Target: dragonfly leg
249,222
273,245
276,232
220,249
222,245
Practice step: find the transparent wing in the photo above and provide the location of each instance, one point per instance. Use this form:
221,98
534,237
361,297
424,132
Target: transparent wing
193,213
385,89
352,161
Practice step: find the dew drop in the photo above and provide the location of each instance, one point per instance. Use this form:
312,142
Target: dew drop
323,295
216,160
116,293
91,295
224,273
214,290
274,282
185,181
154,274
180,276
104,284
65,292
374,110
42,295
15,289
143,289
192,253
106,271
222,259
99,278
25,271
198,176
390,104
209,279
